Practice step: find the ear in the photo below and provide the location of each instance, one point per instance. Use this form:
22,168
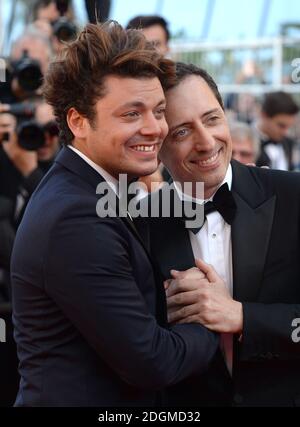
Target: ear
77,123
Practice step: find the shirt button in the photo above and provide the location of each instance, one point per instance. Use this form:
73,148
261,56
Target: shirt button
214,236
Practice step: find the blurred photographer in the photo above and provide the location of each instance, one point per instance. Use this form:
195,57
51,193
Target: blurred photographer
7,236
28,62
7,232
59,15
27,150
45,10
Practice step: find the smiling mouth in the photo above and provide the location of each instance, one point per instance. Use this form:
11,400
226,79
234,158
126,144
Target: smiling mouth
208,162
144,148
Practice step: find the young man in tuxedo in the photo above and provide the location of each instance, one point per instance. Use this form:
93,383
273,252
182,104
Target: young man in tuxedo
89,308
250,246
277,116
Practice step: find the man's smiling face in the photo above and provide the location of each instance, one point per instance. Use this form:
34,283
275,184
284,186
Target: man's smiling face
198,147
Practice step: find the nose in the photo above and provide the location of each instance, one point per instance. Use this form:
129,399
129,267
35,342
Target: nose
204,140
153,126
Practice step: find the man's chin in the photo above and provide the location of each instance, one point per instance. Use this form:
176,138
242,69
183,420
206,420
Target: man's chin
142,171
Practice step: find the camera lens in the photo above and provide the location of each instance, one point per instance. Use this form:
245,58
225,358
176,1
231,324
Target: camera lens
31,136
64,30
30,76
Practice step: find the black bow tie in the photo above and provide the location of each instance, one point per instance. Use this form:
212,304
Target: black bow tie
223,202
269,142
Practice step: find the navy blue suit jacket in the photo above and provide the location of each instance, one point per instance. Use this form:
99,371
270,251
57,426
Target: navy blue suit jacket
86,303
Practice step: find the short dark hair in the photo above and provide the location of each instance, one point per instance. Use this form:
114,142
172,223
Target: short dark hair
145,21
184,71
275,103
77,77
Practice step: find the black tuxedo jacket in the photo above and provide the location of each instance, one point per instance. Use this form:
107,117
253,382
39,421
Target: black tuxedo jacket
288,147
85,302
266,279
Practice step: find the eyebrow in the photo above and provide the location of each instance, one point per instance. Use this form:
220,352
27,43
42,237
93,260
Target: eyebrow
207,113
139,104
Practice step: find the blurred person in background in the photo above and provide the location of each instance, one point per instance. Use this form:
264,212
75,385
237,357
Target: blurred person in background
60,16
278,115
27,152
244,106
7,236
7,205
28,62
37,46
155,29
44,27
245,143
45,10
22,166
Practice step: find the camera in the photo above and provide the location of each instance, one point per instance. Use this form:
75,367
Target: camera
32,136
28,73
64,29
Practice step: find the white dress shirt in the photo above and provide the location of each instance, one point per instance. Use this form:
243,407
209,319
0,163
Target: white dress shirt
275,152
277,156
212,244
112,182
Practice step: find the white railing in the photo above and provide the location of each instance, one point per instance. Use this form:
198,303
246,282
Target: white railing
224,60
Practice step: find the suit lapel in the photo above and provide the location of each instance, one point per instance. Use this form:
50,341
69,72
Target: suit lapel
175,249
170,243
130,224
251,232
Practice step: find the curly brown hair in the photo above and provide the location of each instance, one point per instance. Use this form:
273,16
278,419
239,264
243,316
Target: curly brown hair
77,76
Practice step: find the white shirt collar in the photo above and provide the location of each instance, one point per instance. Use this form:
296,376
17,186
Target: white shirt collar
186,197
113,182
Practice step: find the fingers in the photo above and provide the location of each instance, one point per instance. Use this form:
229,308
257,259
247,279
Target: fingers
173,288
182,313
182,274
184,298
191,273
185,285
175,273
208,270
167,283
